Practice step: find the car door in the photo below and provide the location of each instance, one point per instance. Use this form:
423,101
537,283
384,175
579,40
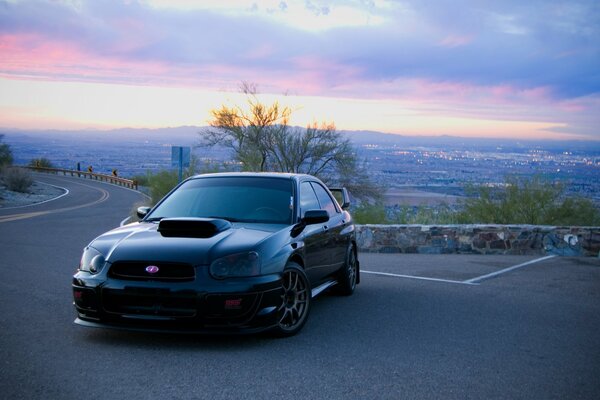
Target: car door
317,255
337,244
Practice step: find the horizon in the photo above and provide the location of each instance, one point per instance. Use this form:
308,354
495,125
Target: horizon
358,137
509,71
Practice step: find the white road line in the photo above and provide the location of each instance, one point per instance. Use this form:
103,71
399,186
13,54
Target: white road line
45,201
421,278
503,271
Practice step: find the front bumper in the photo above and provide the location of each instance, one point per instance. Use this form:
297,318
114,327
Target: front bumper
204,305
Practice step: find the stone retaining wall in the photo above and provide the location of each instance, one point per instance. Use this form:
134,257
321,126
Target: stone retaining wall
479,239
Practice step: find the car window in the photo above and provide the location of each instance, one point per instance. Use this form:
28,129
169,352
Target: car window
241,199
308,198
326,202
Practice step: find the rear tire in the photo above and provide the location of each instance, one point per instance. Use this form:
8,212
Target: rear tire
295,301
347,278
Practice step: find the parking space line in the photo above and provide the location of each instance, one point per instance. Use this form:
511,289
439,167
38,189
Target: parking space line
422,278
503,271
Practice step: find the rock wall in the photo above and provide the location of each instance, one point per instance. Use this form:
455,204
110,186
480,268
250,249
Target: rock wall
479,239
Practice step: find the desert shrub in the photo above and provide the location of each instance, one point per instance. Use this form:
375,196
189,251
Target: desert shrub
142,179
441,214
161,183
527,201
6,157
366,213
41,163
17,179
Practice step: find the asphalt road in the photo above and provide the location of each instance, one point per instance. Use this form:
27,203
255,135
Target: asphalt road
432,327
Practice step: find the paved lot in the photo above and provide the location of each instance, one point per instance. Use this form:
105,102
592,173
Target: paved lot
464,269
419,326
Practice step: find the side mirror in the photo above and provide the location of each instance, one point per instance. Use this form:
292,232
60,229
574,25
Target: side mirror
342,197
312,217
142,212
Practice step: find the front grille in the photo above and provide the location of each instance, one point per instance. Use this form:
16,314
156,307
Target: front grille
150,302
167,272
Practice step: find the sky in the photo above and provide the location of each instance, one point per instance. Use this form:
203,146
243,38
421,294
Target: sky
470,68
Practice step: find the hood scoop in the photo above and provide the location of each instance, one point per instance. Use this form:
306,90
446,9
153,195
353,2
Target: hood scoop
192,227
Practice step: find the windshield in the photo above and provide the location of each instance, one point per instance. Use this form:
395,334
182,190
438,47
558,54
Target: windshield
237,199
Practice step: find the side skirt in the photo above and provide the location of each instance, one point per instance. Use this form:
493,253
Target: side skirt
322,287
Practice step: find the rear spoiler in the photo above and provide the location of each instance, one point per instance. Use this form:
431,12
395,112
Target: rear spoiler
342,197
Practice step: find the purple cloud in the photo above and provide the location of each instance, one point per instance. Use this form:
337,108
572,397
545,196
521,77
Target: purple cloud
387,49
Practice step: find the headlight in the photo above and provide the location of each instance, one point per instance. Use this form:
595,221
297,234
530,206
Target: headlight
92,260
236,265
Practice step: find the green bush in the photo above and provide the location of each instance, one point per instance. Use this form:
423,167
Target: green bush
424,215
527,201
404,215
6,157
516,201
17,179
41,163
161,183
369,214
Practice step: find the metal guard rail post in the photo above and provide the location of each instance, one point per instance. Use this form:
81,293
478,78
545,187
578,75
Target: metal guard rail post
115,180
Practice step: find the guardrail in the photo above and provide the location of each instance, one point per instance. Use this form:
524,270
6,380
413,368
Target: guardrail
115,180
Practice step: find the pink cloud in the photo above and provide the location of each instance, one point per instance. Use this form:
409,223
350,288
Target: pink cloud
316,75
259,52
583,105
452,41
32,56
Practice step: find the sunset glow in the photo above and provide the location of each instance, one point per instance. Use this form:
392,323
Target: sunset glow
410,68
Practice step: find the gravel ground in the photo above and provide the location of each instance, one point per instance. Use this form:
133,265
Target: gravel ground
38,192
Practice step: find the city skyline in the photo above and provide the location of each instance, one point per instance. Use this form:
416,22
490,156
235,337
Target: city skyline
468,69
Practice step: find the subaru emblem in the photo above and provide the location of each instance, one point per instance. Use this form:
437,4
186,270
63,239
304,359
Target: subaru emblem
152,269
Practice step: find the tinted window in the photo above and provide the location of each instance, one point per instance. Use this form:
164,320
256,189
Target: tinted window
324,199
308,198
243,199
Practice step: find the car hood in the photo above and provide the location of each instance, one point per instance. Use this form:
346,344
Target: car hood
143,242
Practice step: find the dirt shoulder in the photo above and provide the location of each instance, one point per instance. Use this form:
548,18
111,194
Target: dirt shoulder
38,192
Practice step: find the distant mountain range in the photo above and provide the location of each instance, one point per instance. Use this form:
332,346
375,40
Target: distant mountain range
442,164
189,136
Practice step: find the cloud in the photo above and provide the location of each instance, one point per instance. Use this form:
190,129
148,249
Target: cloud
542,51
504,44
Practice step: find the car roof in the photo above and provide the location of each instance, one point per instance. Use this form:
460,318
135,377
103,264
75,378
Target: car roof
279,175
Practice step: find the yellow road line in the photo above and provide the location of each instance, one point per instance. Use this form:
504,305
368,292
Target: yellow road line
15,217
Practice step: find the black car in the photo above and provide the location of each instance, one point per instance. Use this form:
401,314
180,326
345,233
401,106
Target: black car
235,252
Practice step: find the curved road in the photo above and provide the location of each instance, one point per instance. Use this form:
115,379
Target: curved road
530,333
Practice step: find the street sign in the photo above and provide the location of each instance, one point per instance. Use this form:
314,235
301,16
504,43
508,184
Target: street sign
180,157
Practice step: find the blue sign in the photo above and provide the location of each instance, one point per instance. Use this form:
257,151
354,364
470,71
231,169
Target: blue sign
180,156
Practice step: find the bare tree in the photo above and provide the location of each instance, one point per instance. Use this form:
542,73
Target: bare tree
262,140
248,133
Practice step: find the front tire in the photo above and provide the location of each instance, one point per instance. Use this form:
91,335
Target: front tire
295,301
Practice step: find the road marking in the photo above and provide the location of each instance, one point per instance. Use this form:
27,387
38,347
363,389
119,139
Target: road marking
421,278
505,270
473,281
45,201
16,217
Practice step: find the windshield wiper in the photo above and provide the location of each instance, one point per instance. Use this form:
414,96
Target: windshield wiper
153,219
